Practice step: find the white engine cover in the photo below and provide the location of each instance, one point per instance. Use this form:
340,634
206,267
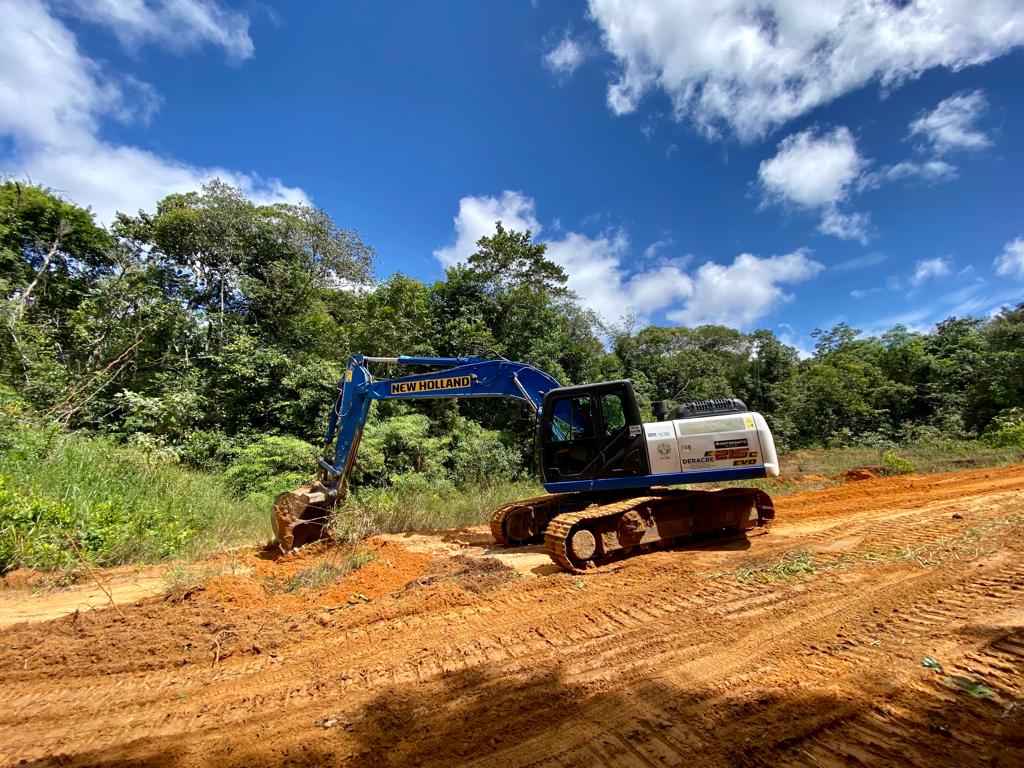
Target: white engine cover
725,441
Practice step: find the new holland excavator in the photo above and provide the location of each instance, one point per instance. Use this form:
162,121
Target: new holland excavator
605,469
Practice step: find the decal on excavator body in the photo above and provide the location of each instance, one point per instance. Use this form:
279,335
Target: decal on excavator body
430,385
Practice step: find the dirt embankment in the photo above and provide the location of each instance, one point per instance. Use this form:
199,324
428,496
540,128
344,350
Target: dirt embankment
802,645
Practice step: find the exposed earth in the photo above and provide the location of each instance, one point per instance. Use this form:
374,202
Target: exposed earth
877,622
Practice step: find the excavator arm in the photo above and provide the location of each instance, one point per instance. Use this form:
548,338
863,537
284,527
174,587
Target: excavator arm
301,515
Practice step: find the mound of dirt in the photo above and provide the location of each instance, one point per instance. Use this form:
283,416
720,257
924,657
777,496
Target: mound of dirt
24,578
864,473
394,567
473,574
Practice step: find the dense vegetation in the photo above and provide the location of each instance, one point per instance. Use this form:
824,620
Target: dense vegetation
211,333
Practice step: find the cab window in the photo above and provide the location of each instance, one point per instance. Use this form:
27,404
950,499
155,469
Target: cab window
572,419
614,413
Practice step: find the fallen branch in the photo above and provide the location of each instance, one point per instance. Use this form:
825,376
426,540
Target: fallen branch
95,578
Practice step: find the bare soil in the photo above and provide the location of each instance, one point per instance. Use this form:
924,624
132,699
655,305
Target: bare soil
800,645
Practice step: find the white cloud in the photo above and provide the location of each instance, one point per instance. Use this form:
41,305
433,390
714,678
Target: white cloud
476,218
53,101
929,172
817,171
928,269
846,226
597,274
566,57
972,299
658,246
748,289
178,25
120,178
861,262
799,341
736,295
594,265
751,67
812,169
861,293
1010,262
951,125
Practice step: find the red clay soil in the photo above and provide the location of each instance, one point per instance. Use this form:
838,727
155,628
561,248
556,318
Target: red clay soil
799,646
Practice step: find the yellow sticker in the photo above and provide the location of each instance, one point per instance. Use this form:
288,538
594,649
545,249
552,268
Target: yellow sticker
348,375
749,421
430,385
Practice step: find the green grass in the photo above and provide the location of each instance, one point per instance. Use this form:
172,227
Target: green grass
389,510
789,565
324,572
65,498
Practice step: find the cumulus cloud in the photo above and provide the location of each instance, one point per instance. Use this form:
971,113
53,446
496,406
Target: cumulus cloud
1010,263
476,218
928,269
121,178
54,98
599,273
178,25
846,226
822,170
952,124
565,57
812,168
752,67
746,290
817,170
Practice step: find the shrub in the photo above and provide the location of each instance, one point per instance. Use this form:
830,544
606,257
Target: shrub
115,505
1007,429
480,456
271,465
209,449
896,464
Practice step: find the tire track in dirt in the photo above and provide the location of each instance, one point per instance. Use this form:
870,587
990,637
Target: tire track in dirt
649,662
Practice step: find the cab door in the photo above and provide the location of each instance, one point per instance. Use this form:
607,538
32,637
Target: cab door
593,432
571,444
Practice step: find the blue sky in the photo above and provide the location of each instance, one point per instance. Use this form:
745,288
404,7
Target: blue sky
788,168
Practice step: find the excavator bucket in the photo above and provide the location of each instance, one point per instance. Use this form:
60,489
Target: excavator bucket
301,516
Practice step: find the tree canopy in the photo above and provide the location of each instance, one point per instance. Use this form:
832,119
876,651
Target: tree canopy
212,321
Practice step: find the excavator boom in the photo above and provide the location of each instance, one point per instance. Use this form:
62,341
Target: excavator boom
301,516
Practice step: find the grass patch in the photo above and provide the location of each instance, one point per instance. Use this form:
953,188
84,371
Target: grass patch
65,498
937,455
181,579
370,511
972,544
790,565
323,572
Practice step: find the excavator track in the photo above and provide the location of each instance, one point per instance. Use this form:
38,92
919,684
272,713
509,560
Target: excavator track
525,520
604,532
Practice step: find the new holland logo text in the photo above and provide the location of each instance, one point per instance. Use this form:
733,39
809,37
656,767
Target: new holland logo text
430,385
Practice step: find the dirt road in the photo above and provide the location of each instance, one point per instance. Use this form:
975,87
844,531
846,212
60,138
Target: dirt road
800,646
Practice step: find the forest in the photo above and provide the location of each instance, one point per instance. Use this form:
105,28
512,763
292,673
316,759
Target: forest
206,338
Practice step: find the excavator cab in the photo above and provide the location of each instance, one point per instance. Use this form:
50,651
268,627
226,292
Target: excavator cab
591,432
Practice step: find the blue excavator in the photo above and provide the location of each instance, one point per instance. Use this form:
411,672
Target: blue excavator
606,470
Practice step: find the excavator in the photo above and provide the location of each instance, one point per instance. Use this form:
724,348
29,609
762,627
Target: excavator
605,470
